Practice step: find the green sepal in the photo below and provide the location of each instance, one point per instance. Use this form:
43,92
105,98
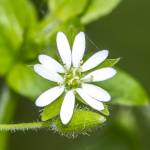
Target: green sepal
52,110
109,62
105,111
82,122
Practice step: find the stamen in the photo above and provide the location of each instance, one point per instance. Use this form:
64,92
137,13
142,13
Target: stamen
72,78
81,62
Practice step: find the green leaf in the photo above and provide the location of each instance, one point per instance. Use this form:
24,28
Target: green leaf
45,33
53,4
70,28
9,25
14,29
66,9
26,82
5,61
7,109
109,62
81,122
105,111
97,9
28,12
125,90
28,21
52,110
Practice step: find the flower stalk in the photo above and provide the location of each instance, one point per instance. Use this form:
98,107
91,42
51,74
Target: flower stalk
24,126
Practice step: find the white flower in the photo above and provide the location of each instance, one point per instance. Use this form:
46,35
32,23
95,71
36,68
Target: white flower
70,76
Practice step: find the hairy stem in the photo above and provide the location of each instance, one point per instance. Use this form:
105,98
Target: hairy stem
24,126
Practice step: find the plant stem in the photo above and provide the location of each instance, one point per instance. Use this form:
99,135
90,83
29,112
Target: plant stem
24,126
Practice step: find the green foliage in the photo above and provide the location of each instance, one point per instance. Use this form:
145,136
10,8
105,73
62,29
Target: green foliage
87,10
52,110
105,111
109,63
45,32
66,9
9,25
12,23
5,61
97,9
14,29
7,108
26,82
26,18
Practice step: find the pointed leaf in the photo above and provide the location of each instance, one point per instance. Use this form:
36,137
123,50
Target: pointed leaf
97,9
66,9
26,82
52,110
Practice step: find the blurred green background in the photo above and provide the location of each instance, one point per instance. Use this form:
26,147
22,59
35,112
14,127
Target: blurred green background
126,33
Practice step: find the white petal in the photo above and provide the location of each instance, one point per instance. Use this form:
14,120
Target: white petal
64,49
47,74
78,49
49,96
100,75
96,92
50,63
67,107
97,105
95,60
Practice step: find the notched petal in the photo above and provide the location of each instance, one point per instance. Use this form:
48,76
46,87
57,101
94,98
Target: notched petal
78,49
67,107
48,74
97,105
64,49
100,75
96,92
95,60
49,96
51,64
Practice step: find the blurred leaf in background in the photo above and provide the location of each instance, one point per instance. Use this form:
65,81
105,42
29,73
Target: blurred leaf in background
125,90
7,111
97,9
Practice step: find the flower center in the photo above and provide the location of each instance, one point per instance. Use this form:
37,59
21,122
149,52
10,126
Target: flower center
72,78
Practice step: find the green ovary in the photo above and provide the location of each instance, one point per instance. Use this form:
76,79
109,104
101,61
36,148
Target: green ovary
72,78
